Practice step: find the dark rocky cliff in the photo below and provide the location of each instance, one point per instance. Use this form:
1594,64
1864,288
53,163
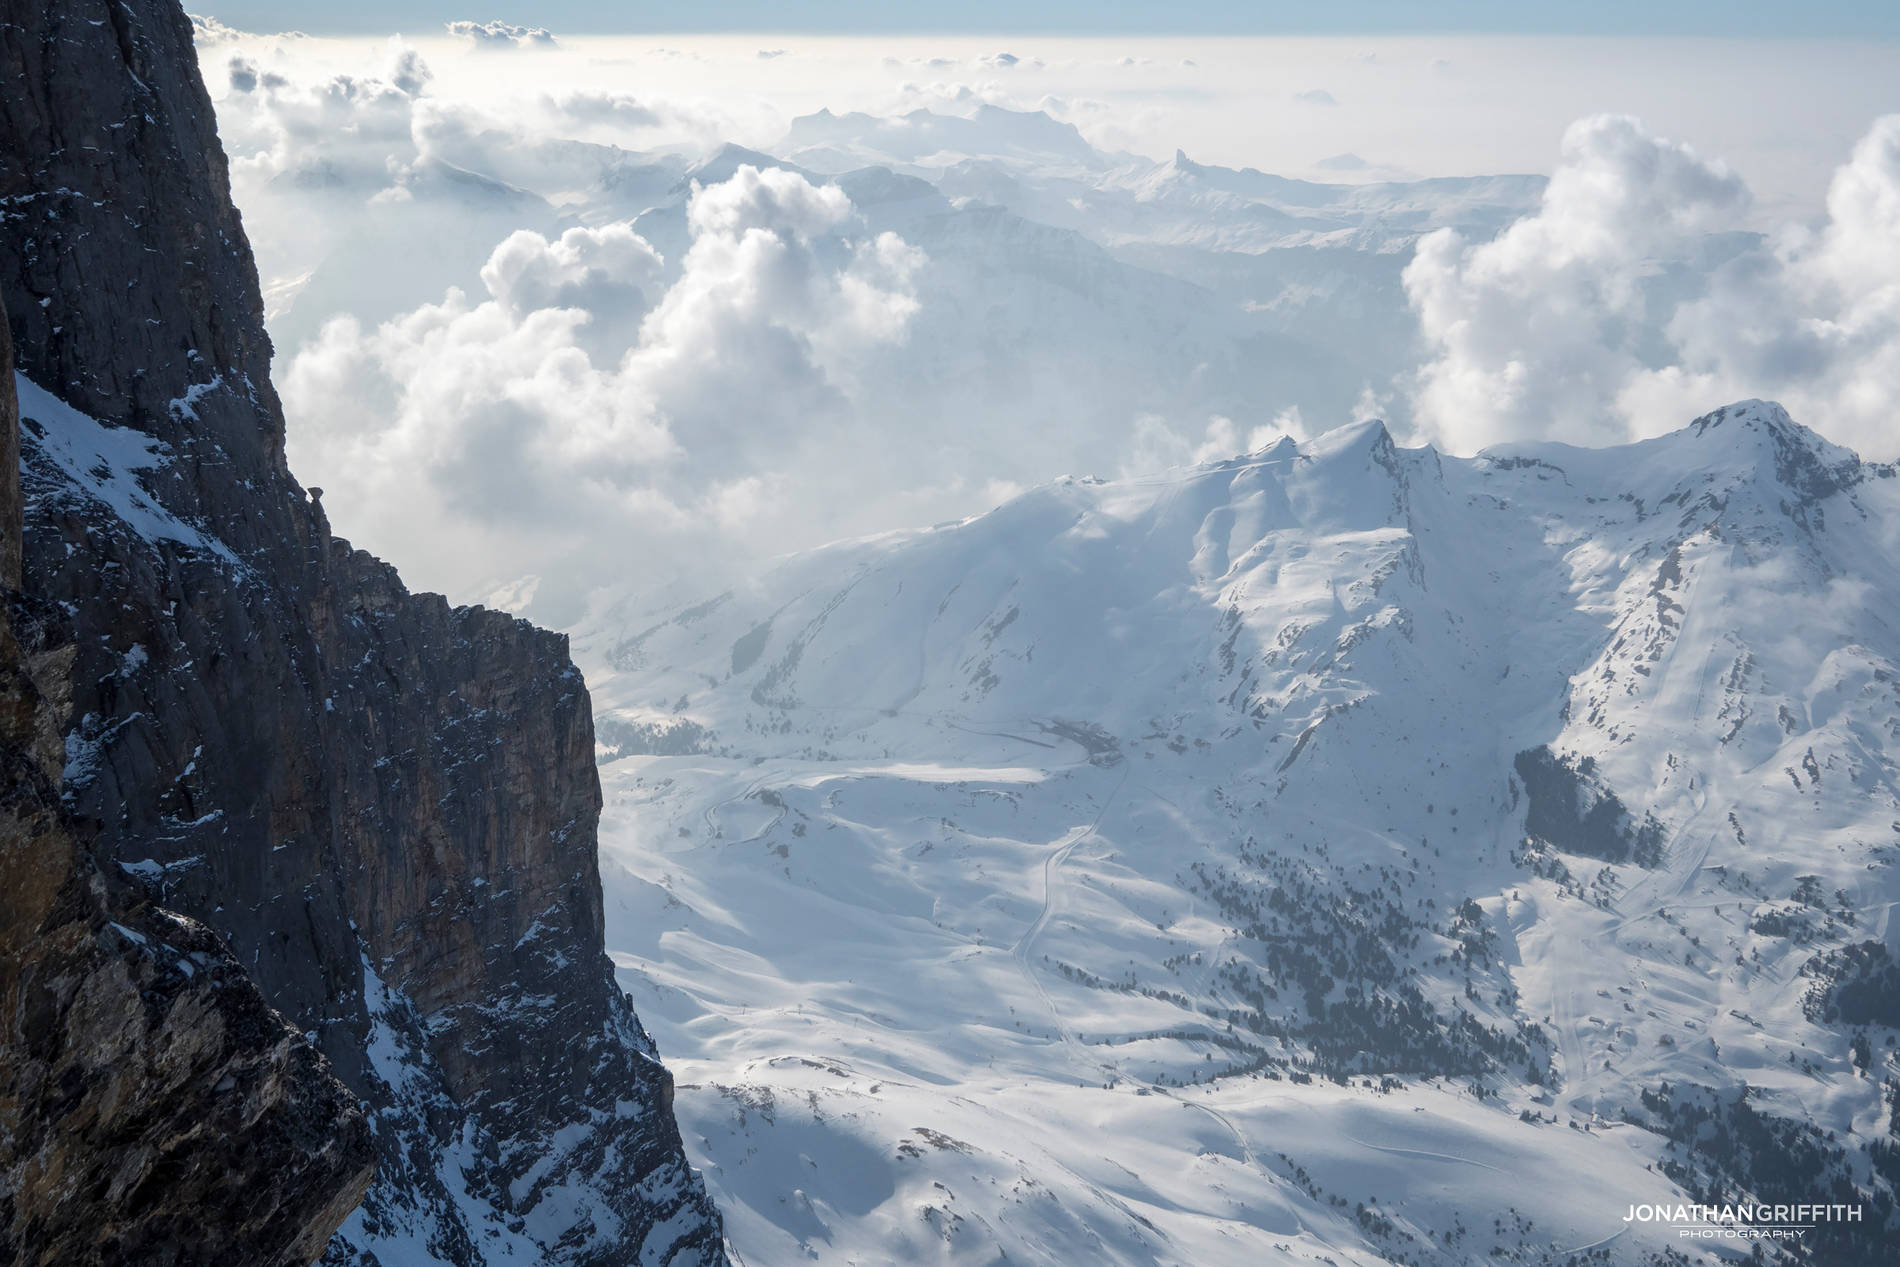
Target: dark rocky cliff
384,805
153,1108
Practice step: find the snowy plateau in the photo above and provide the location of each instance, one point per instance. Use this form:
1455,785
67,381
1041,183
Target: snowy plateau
1341,853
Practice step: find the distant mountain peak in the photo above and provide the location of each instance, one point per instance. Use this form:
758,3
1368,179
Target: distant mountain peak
1366,439
1803,461
1751,412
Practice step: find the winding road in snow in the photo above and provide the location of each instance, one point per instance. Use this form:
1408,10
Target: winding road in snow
1051,873
1051,869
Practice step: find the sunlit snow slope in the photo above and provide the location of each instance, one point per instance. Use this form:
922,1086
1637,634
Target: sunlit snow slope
1339,853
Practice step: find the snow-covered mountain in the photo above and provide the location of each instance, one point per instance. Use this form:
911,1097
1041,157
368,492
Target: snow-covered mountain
1340,853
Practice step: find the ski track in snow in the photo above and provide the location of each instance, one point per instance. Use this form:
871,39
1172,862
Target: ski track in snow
1424,1155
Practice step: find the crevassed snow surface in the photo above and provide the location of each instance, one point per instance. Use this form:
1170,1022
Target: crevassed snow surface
1138,873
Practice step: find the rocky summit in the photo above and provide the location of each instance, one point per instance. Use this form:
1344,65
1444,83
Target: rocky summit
300,874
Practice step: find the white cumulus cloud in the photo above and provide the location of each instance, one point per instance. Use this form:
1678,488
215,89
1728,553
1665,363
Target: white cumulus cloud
1534,331
583,405
1630,302
1811,318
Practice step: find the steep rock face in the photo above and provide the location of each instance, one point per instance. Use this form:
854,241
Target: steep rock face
386,806
153,1108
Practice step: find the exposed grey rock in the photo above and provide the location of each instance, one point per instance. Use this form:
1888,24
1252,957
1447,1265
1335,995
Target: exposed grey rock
385,805
153,1108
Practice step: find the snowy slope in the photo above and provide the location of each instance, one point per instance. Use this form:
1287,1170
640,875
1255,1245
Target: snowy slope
1336,853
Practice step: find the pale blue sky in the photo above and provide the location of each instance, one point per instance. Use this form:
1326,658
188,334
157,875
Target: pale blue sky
1761,18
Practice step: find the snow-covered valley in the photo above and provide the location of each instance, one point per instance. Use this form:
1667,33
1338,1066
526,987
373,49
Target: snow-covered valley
1338,853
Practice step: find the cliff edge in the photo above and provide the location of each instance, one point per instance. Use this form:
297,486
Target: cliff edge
383,805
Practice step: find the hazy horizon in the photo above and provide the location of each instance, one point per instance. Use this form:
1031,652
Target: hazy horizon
1757,18
525,311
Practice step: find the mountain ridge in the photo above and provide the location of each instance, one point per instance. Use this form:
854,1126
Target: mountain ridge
1343,792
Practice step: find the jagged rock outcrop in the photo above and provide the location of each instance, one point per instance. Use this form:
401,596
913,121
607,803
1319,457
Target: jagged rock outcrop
153,1108
385,805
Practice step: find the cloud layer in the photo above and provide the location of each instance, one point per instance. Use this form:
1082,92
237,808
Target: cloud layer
579,339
